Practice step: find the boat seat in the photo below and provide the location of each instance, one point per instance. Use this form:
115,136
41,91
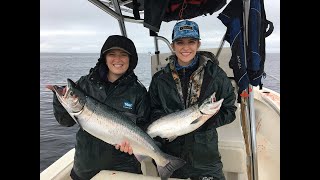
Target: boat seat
232,147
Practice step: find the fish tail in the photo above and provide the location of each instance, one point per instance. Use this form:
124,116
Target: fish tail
173,164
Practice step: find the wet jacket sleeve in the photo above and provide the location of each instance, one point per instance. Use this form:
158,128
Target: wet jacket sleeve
61,114
155,105
226,113
143,110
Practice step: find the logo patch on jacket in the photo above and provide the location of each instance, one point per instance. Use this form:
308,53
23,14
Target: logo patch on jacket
127,104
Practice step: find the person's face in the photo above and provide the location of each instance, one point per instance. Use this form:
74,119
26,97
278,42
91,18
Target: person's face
185,49
117,62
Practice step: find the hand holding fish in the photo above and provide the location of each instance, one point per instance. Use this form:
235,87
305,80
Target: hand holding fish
124,147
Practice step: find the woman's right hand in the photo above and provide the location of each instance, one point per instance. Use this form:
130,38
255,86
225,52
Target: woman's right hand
124,147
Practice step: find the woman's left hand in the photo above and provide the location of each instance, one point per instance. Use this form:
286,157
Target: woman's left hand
124,147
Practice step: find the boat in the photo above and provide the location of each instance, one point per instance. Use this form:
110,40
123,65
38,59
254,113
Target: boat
249,146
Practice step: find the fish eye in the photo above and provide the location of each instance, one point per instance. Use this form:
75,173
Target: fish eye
71,93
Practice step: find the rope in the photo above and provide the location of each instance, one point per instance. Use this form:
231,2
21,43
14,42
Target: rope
184,6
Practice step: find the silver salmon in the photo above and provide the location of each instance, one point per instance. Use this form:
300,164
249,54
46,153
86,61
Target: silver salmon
114,128
183,122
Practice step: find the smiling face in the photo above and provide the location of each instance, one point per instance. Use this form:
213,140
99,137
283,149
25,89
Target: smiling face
185,49
117,62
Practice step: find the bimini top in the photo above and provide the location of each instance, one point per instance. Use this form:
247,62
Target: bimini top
156,11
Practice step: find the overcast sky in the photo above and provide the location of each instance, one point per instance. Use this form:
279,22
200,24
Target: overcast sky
78,26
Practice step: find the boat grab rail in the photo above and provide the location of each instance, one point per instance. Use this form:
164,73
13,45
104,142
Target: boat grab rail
166,41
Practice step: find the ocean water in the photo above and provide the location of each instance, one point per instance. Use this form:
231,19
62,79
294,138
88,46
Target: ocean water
55,68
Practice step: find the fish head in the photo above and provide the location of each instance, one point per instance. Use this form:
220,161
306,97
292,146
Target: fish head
211,105
71,98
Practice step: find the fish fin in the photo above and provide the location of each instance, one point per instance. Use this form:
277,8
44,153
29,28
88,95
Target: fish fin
170,139
140,157
195,121
215,107
173,164
76,119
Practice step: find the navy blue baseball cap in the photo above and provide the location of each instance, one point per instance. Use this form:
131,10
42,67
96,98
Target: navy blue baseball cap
184,29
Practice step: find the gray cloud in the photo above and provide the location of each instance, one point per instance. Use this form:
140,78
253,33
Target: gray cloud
80,26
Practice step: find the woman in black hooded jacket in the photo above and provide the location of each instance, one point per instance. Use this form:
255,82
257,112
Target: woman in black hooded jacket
111,82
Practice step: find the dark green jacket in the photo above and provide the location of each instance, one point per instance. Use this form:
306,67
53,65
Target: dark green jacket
200,147
127,95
